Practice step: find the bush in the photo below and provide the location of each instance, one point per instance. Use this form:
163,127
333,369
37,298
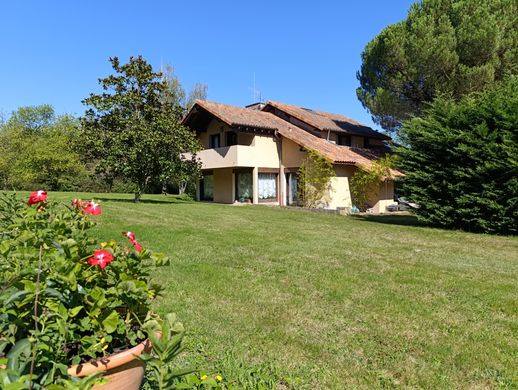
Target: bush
315,174
66,298
461,161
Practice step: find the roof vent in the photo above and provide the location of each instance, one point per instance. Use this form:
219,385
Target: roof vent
255,106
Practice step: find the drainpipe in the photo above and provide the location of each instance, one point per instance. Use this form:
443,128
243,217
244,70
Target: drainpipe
282,180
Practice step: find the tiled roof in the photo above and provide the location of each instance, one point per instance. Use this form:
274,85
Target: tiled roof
325,121
238,116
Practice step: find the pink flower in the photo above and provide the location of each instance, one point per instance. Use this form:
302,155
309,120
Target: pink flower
133,240
91,208
101,258
37,197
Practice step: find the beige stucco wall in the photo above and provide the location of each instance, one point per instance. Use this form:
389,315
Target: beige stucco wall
223,185
292,156
266,154
217,127
339,194
252,150
385,197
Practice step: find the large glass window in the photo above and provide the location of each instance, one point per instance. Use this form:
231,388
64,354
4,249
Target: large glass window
267,186
293,188
207,187
244,186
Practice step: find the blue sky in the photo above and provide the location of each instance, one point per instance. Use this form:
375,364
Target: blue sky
303,53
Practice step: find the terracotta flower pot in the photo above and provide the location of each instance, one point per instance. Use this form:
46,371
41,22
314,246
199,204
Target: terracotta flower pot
123,370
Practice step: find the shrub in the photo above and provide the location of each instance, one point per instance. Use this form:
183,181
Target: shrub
66,298
366,182
461,161
315,174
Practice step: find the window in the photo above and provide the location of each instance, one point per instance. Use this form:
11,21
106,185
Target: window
244,186
214,141
293,195
207,187
344,140
267,186
231,138
366,143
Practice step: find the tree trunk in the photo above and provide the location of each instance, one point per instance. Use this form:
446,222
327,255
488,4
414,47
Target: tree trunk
164,188
181,187
138,195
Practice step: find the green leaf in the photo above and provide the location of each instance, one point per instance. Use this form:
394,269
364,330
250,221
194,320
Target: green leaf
54,293
110,322
74,311
18,355
16,296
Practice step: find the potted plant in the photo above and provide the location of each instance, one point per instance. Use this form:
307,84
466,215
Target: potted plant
76,312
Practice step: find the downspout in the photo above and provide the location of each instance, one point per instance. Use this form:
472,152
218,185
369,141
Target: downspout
281,170
328,134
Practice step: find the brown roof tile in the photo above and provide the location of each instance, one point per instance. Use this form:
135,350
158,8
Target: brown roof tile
325,121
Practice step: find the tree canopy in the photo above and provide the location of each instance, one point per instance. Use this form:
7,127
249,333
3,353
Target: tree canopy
38,149
131,130
443,48
461,161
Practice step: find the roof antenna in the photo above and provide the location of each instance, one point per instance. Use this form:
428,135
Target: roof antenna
256,94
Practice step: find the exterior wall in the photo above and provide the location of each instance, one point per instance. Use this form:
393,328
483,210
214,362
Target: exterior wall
265,152
214,127
385,197
223,186
217,127
292,156
339,194
252,150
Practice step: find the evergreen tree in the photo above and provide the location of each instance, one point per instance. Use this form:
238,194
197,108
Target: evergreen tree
461,161
444,48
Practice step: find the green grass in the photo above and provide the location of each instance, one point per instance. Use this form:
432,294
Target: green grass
272,297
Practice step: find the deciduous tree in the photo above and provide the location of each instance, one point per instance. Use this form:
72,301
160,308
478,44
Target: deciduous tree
37,149
131,129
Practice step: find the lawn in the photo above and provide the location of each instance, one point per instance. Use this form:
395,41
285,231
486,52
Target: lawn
274,298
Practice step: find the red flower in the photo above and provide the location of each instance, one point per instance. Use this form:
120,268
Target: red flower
133,240
76,203
37,197
101,258
91,208
130,235
137,246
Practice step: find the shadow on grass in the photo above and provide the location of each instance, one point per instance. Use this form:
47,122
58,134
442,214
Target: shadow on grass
168,200
391,219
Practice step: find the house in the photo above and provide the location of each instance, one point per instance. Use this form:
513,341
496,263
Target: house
252,154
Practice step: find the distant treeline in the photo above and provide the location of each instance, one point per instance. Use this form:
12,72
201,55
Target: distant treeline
39,149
